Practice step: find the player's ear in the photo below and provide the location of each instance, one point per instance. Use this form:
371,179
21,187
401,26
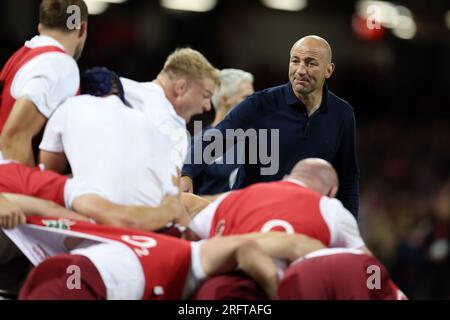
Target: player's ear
82,31
40,28
180,87
330,69
332,192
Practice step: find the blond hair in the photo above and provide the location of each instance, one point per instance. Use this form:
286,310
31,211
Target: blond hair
190,63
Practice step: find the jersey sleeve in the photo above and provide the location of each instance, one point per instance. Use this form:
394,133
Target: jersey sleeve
342,224
47,80
52,140
202,222
75,188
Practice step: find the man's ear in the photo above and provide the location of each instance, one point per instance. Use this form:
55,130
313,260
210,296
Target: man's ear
332,192
330,69
82,31
180,87
40,28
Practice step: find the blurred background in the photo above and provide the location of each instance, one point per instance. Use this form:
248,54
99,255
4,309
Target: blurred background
392,65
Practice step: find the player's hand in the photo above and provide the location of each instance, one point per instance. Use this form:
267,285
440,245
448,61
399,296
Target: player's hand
10,215
186,184
178,209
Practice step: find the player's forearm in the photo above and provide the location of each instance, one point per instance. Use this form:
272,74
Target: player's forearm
41,207
152,218
285,246
137,217
213,197
55,161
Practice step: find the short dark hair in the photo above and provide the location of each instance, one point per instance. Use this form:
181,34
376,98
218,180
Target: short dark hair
100,82
53,13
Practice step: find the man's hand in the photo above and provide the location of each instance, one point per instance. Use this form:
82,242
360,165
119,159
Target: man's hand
176,207
186,184
10,214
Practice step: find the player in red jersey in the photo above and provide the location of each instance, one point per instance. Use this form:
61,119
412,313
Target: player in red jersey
300,203
41,75
117,263
46,193
60,192
338,274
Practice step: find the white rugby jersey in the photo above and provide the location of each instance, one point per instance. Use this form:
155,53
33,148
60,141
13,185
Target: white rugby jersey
112,148
48,79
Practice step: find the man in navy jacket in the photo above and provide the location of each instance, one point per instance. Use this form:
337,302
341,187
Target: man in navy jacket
311,122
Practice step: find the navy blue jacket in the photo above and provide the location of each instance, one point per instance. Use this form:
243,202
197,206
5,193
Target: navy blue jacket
215,178
328,134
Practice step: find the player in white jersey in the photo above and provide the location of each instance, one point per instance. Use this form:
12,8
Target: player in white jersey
110,146
39,77
131,264
182,89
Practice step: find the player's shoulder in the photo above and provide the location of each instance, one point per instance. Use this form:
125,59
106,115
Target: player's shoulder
269,96
54,61
333,208
79,102
330,205
339,105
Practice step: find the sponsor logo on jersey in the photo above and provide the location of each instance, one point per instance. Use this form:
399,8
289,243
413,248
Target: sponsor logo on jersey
63,224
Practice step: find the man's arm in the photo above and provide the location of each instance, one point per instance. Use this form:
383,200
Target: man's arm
55,161
252,253
237,118
24,122
347,167
137,217
40,207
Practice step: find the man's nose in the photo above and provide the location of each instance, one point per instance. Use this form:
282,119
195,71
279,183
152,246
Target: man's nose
301,69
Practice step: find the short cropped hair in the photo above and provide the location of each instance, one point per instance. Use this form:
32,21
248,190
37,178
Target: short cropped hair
53,14
189,63
230,79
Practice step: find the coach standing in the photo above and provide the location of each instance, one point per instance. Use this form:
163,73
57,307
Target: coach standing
40,76
312,122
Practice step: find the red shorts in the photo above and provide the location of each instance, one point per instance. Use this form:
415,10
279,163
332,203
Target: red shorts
232,286
18,178
341,276
50,279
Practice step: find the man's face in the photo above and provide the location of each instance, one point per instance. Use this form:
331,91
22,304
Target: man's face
309,66
197,98
245,89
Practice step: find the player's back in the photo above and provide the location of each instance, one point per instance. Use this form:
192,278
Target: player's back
116,149
277,206
338,274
